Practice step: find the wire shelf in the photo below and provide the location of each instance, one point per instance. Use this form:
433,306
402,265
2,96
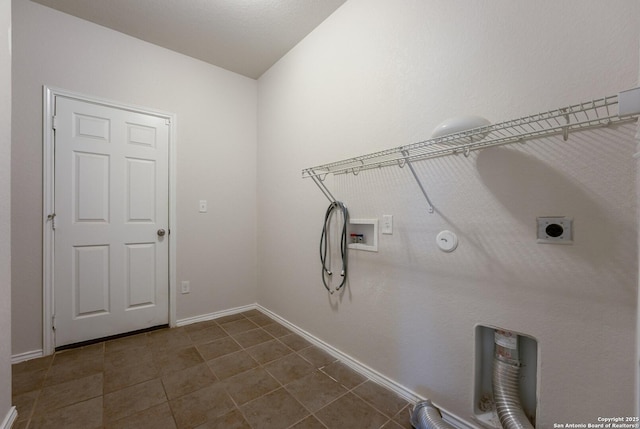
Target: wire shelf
595,113
592,114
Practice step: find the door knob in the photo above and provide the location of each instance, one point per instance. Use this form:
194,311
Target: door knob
161,232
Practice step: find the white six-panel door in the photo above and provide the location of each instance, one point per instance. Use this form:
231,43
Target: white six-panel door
111,208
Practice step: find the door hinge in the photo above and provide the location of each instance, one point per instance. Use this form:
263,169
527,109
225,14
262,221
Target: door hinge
167,121
52,218
54,122
53,322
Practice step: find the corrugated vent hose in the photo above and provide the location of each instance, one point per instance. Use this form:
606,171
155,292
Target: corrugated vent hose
506,371
426,416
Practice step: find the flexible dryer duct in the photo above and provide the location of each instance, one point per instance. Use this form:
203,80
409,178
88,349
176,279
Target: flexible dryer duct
506,371
426,416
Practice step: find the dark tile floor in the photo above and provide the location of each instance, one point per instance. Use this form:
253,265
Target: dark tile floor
235,372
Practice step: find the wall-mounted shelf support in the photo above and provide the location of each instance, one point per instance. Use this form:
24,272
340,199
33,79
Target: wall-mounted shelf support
408,164
319,181
603,112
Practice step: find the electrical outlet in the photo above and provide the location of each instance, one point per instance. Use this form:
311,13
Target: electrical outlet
202,206
185,287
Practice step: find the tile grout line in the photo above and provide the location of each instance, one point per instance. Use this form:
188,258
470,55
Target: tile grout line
262,365
259,325
237,407
283,386
38,396
352,390
164,388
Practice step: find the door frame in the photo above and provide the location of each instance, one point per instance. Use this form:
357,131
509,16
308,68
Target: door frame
49,95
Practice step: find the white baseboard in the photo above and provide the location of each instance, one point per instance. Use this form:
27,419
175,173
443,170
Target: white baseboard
21,357
352,363
215,315
366,371
9,419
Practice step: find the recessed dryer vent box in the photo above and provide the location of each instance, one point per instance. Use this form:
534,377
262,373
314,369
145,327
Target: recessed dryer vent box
484,407
555,230
363,234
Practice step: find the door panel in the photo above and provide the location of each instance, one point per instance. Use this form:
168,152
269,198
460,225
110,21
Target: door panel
141,135
111,198
90,271
90,177
140,189
141,275
91,127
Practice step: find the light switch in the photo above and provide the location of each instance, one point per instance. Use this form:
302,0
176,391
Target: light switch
387,224
203,206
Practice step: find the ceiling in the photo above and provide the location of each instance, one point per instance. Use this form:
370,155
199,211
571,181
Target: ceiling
243,36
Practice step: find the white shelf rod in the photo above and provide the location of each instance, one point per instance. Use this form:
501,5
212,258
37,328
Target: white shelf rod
415,176
615,109
319,181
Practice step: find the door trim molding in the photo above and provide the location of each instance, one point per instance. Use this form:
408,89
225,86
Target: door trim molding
10,418
49,95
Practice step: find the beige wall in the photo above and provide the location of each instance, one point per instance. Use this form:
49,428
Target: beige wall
380,74
216,154
5,207
638,307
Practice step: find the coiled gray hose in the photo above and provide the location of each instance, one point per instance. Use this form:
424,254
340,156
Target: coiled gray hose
324,245
426,416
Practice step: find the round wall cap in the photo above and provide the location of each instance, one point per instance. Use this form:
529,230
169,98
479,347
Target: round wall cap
447,241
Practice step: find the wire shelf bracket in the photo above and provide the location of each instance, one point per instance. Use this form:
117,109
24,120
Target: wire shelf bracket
603,112
319,181
415,176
